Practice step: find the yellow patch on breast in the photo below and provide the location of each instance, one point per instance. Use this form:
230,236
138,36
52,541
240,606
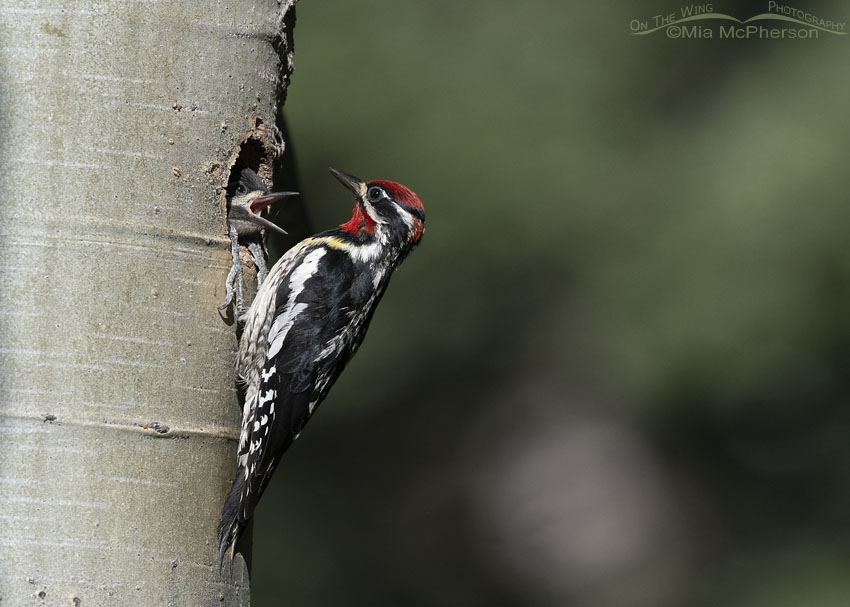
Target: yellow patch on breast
332,242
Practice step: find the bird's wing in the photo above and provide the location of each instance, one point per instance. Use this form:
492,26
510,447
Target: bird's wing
313,308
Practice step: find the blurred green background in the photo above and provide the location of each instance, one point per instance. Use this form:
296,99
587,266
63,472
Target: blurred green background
615,371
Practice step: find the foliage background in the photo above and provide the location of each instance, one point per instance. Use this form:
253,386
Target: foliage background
615,372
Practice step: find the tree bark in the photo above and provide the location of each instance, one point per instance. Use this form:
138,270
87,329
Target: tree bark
120,123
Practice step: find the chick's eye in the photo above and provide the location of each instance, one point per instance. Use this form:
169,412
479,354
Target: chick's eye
375,194
241,189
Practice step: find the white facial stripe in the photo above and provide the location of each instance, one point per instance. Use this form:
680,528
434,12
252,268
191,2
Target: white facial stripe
373,213
361,190
406,216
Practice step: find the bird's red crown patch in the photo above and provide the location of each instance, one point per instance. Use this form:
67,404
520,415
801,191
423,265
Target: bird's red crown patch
401,194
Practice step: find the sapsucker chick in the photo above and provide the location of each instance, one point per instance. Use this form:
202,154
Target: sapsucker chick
249,198
306,322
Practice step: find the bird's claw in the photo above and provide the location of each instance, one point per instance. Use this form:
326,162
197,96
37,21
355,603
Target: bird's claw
260,260
234,289
233,285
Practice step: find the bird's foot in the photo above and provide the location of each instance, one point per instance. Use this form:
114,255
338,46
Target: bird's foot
259,254
233,285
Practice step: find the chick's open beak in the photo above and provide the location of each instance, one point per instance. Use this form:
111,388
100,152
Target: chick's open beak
256,205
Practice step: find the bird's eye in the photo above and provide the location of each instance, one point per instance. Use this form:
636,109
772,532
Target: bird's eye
374,194
241,189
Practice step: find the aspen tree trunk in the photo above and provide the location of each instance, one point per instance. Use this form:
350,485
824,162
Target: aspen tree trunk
119,123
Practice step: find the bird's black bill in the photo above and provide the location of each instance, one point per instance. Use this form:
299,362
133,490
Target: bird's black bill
355,184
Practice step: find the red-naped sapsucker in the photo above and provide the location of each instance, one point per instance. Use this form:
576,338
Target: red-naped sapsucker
308,318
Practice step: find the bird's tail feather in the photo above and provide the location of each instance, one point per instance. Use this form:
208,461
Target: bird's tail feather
230,527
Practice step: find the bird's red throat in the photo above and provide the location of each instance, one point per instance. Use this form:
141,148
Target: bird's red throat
360,223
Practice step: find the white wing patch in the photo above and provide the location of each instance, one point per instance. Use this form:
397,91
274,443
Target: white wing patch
283,323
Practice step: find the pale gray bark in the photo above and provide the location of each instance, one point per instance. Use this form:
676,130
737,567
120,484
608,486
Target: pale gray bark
118,415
